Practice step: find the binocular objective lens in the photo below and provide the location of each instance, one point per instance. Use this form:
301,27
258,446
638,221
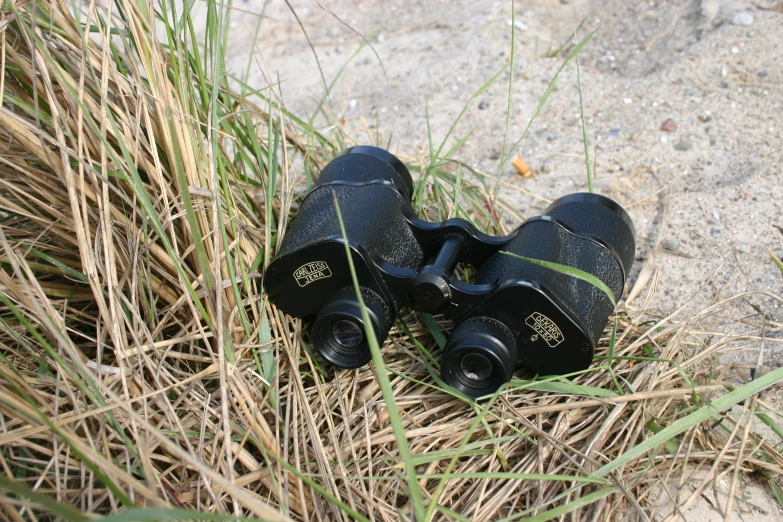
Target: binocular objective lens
347,333
476,367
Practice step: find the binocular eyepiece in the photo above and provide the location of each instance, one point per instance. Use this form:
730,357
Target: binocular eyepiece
515,313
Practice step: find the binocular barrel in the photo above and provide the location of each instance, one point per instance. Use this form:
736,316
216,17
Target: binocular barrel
516,312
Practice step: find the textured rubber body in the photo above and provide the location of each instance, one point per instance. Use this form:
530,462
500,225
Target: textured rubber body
373,217
601,217
548,241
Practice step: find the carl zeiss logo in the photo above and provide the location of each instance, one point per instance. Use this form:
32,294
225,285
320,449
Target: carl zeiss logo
546,328
310,272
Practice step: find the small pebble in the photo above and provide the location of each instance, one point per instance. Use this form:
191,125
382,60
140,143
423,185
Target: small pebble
669,125
704,118
614,132
723,72
551,137
724,85
742,18
518,24
683,145
671,244
762,74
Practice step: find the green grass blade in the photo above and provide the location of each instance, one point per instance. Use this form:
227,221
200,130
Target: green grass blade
430,359
584,124
383,380
570,388
481,90
671,444
567,508
700,415
453,515
776,260
267,355
769,421
510,102
253,42
453,462
328,92
776,491
434,329
172,514
305,477
547,92
517,476
570,271
65,268
65,511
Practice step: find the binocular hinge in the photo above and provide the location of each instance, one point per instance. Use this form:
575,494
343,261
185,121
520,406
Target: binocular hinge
431,286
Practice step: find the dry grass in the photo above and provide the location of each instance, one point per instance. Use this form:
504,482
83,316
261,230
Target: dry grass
141,367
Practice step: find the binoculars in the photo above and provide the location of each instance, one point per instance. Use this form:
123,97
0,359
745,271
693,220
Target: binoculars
514,313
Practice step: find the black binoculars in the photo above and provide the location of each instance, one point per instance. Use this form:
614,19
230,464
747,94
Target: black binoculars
514,313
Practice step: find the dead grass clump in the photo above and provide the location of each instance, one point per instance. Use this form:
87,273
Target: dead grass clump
141,368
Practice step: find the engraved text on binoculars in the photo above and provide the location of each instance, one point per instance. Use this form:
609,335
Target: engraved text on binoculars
310,272
546,328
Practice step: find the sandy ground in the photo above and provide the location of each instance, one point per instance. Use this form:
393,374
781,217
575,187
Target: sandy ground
705,193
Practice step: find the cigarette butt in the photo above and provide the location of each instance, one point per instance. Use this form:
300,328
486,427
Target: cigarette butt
522,167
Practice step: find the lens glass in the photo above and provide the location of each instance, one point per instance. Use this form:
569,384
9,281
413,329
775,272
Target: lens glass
476,367
347,333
